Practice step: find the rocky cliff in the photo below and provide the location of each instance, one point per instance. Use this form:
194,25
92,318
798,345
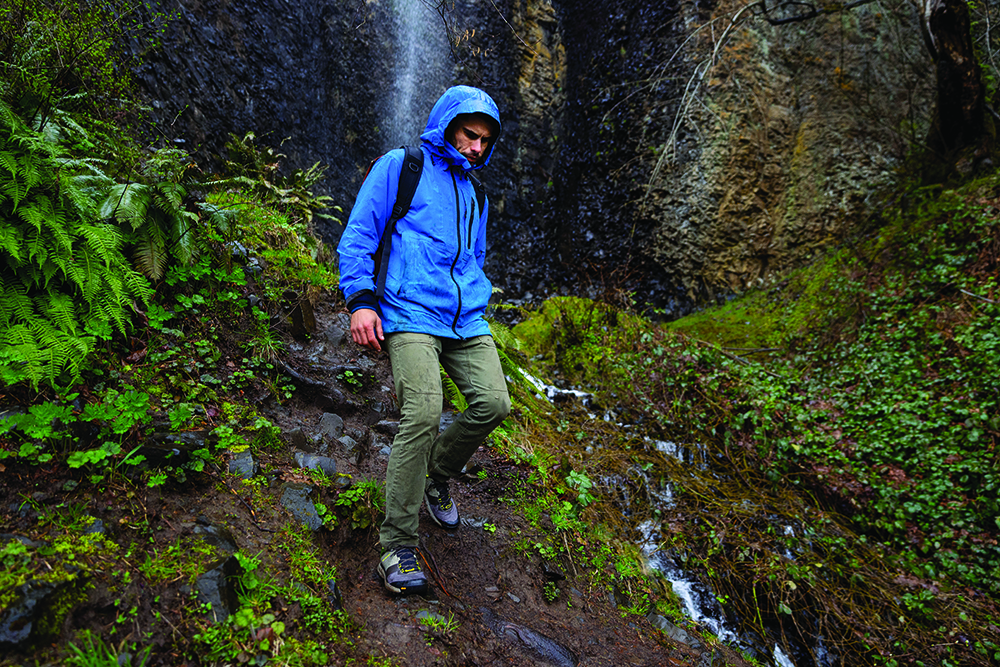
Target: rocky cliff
663,152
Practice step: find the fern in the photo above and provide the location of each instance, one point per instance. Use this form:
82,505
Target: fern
62,273
452,393
151,252
126,202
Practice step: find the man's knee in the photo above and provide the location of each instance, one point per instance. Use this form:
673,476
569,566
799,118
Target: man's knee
490,409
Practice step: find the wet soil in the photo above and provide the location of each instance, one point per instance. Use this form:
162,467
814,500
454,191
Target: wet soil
491,588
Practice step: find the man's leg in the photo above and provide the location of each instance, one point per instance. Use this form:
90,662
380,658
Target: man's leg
417,377
474,366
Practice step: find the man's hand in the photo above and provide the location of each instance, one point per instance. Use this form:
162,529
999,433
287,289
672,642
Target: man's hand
366,328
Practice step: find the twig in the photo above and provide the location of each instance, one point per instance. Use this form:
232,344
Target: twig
741,360
983,298
512,28
566,544
432,568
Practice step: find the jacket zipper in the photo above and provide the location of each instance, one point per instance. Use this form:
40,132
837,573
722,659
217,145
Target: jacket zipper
472,219
458,232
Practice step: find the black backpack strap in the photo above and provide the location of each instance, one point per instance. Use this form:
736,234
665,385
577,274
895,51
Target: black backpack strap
480,192
409,176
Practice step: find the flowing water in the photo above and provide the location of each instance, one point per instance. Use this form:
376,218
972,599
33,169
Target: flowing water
698,600
423,70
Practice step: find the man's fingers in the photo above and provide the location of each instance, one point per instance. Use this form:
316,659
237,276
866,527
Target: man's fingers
366,328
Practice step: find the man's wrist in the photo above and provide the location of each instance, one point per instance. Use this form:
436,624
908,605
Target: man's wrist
362,299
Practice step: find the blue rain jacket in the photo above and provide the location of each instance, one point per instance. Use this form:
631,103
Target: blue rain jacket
435,282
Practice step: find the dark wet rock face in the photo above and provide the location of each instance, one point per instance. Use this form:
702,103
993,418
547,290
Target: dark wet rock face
302,75
295,498
217,587
596,188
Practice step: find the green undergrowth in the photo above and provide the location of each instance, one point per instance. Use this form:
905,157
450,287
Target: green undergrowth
307,635
858,459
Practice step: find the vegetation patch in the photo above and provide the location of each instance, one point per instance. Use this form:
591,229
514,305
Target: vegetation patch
848,482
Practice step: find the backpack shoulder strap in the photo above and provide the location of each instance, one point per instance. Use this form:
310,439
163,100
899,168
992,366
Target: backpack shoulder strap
480,192
409,176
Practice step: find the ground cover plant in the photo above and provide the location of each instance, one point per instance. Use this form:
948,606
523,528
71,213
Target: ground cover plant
859,448
859,501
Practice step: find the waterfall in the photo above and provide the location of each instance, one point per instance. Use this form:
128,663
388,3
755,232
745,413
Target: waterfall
423,70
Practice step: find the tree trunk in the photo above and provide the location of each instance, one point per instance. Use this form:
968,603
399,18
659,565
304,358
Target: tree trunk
961,134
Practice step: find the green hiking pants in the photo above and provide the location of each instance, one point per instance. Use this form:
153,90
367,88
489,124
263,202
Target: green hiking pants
418,450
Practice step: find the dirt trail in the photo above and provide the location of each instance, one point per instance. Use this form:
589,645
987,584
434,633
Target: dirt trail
489,587
494,591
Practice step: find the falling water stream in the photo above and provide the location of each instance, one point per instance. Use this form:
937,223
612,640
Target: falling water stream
422,71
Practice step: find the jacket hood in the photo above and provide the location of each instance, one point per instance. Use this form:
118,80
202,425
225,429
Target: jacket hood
456,101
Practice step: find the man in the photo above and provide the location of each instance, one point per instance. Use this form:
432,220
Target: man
431,312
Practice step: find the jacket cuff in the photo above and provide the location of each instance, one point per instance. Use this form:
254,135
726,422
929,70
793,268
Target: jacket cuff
362,299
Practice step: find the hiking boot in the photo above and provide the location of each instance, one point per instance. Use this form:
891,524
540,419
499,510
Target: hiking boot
439,503
400,571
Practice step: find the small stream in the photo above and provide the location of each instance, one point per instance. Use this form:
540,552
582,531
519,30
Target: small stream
697,599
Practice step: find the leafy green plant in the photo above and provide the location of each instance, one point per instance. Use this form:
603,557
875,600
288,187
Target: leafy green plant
256,168
551,592
354,379
582,484
438,626
152,208
363,504
64,284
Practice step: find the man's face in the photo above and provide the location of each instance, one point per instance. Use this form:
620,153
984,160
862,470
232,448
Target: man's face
471,136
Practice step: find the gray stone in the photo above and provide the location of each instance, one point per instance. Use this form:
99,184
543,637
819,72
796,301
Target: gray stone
243,465
217,587
331,426
348,442
218,537
549,650
387,427
314,462
513,597
677,634
32,601
295,498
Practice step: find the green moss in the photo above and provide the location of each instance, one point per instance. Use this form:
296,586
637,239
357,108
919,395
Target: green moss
777,317
184,559
61,559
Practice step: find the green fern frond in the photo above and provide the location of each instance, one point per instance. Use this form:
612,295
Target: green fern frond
150,252
172,196
38,248
15,305
126,202
9,162
42,215
84,272
105,240
10,242
220,218
18,341
185,244
452,393
60,310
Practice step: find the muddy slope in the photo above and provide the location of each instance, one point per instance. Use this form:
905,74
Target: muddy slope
489,588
